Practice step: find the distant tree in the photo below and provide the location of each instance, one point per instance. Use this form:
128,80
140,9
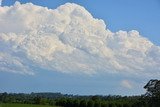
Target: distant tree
90,103
52,102
118,104
4,97
37,100
97,104
126,105
104,104
69,103
83,103
140,104
111,105
61,102
95,98
76,103
43,101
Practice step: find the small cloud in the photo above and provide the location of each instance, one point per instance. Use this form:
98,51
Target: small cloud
126,84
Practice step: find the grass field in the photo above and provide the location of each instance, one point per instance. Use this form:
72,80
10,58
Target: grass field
23,105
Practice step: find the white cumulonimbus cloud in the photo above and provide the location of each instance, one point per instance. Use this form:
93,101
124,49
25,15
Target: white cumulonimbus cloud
69,40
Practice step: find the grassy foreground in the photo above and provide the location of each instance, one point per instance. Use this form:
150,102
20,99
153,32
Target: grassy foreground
23,105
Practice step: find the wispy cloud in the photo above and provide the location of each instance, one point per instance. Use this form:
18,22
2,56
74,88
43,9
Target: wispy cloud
69,40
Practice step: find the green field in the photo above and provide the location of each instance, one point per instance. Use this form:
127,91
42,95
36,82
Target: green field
23,105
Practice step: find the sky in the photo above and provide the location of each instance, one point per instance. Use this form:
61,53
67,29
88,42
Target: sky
90,47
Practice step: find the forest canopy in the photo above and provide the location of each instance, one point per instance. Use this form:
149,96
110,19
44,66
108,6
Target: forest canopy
150,99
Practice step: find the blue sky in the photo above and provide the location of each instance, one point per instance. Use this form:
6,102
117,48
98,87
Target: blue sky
140,15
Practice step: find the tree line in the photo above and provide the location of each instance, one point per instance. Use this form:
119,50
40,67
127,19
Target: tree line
150,99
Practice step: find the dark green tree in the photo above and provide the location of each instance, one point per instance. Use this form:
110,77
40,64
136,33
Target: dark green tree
76,103
104,104
97,103
90,103
37,100
83,103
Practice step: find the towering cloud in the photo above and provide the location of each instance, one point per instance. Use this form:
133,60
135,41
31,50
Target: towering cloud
69,40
